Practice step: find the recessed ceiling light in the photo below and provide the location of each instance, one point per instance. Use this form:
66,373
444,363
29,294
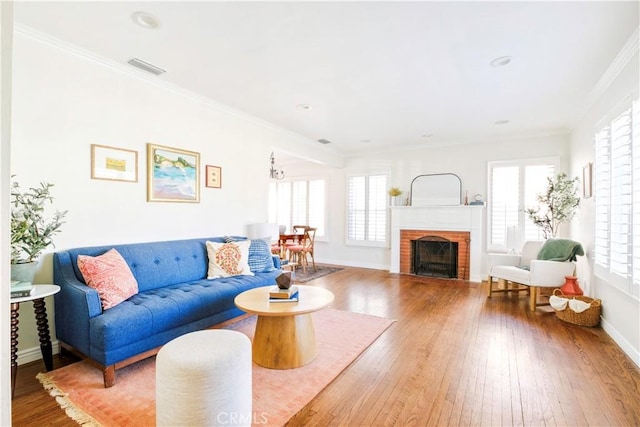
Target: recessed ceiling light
427,135
305,107
501,122
500,62
145,20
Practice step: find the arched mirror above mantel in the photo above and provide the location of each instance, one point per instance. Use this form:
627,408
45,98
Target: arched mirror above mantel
438,189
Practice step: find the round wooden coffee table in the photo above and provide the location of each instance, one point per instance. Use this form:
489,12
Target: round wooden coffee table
284,337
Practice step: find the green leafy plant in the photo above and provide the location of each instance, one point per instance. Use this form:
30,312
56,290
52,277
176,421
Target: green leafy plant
31,231
395,191
557,205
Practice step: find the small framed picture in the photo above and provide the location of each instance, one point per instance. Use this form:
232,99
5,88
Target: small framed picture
114,164
586,181
213,176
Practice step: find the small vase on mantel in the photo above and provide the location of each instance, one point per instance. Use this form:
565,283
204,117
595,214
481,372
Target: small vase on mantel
571,286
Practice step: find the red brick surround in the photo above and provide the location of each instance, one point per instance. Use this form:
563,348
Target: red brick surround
461,237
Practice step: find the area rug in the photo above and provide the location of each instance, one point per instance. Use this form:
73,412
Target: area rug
322,270
277,394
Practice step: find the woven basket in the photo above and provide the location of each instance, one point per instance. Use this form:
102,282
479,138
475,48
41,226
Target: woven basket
589,317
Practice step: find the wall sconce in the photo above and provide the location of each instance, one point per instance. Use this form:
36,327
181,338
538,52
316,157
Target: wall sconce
274,172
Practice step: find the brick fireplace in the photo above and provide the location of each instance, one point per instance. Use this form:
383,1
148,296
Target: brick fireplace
461,224
462,238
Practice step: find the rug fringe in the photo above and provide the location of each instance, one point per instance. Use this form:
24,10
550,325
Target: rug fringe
77,415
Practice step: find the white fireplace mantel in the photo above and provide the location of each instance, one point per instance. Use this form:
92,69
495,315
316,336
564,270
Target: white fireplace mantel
440,218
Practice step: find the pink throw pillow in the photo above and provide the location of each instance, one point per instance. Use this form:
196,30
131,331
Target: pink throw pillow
110,275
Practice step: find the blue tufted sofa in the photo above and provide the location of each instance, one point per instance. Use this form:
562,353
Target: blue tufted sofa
174,298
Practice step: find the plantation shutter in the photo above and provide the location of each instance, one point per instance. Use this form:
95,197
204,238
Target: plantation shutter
504,203
621,194
602,195
635,148
299,203
316,206
377,224
367,208
535,182
617,200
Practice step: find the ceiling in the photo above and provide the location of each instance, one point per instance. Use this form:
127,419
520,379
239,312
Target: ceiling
375,75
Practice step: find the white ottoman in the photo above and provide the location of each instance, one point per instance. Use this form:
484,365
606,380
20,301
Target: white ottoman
204,379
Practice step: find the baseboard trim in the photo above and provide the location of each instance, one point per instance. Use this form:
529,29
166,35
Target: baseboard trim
32,354
626,347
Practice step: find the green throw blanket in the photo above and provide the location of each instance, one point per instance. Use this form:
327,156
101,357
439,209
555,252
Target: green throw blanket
560,250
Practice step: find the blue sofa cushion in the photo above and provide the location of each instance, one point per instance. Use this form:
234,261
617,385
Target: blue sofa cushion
260,257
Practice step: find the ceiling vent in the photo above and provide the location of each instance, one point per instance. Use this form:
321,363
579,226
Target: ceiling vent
139,63
324,141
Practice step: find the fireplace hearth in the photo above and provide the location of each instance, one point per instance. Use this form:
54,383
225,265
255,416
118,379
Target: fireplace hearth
434,256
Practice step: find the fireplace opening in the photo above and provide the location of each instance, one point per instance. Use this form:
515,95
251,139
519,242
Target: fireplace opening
434,256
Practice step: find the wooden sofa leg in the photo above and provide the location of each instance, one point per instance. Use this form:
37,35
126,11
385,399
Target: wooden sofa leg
109,375
533,298
490,287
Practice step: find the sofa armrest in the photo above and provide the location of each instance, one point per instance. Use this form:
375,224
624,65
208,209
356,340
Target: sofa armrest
276,262
550,273
76,304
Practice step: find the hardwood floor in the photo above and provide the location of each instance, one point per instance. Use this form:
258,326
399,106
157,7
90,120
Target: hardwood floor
453,357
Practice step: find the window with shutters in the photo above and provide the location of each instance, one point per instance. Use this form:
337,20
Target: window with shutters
367,210
513,186
298,203
617,199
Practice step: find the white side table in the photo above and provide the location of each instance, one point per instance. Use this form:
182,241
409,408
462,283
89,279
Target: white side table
40,292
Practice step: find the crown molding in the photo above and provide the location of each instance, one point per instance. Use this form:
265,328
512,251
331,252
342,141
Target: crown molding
134,73
622,59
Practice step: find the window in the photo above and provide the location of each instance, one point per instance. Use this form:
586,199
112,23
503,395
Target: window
298,203
513,186
367,209
617,199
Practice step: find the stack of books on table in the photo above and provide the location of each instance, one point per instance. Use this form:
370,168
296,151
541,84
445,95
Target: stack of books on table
21,289
283,295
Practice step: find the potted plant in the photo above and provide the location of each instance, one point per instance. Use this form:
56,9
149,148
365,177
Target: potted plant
557,205
394,192
31,231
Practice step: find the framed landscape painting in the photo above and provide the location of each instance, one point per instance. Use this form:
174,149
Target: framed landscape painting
173,174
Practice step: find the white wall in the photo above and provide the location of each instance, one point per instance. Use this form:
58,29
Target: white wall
620,311
6,41
64,101
469,162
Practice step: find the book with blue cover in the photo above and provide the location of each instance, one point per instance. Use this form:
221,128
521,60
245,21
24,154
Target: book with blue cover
292,298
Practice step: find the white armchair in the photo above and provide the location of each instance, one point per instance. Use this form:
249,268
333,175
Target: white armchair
540,273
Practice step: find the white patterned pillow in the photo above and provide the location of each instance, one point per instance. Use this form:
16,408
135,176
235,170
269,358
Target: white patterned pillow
228,259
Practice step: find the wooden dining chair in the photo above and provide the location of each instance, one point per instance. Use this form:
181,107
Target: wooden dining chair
296,229
307,248
298,252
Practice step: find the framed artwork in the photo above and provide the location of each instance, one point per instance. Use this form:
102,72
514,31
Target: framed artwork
586,181
173,174
114,164
213,176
